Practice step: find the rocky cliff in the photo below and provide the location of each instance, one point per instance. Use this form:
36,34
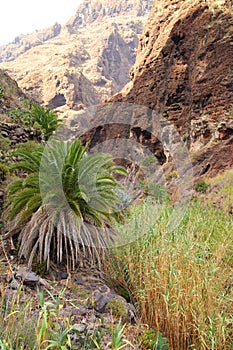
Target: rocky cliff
184,71
12,98
84,62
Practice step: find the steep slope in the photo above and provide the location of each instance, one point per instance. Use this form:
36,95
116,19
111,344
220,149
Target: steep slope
89,59
184,71
12,99
11,96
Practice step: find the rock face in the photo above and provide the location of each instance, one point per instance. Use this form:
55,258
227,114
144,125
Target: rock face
11,96
184,71
84,62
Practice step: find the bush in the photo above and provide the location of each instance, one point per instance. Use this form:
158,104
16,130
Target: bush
157,192
37,117
47,121
201,186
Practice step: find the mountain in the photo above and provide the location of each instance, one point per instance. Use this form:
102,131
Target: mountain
184,72
82,63
22,43
178,106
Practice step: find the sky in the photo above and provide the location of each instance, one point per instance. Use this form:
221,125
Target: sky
25,16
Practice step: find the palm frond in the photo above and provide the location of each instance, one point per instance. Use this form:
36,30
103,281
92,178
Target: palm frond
67,203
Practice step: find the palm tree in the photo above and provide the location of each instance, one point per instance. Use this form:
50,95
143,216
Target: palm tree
47,121
66,206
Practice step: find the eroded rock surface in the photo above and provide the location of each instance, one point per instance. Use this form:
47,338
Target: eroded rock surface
184,71
84,62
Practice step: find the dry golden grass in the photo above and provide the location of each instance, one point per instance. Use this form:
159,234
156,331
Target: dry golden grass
181,280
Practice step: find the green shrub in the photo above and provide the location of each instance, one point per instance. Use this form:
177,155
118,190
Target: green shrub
153,340
157,192
149,160
117,308
201,186
37,117
47,121
21,116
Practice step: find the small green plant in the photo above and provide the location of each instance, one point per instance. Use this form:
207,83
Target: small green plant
44,121
83,294
157,192
50,333
185,137
118,341
201,186
47,121
4,157
172,175
148,338
117,308
21,116
40,268
161,343
149,160
98,336
153,340
61,339
88,341
5,143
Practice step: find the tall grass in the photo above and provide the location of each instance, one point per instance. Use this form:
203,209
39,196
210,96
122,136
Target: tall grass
180,280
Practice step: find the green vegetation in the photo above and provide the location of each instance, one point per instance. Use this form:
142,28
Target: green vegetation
201,186
67,200
21,116
39,322
63,203
181,280
118,342
149,160
4,146
117,308
157,192
34,116
47,121
172,175
152,340
4,159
